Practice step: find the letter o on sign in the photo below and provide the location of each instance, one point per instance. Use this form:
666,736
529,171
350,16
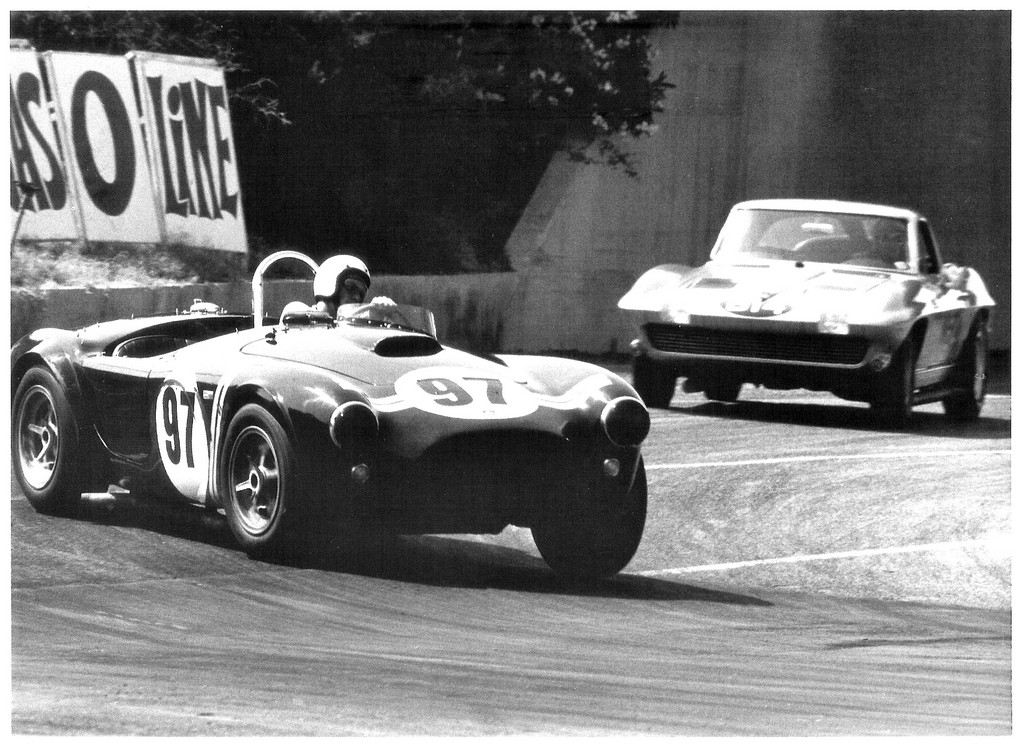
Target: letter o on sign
110,197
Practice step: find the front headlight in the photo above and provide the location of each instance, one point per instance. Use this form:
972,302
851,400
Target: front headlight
626,421
353,423
834,323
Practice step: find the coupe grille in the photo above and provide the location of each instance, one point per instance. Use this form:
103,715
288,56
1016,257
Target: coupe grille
812,349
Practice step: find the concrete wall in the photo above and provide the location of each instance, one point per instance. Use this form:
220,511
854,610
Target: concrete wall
470,310
904,108
589,231
908,109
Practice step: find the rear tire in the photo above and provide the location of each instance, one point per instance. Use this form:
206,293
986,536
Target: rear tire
256,482
46,452
971,376
654,382
583,539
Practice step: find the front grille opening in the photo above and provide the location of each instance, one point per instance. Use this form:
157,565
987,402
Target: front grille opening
842,350
478,482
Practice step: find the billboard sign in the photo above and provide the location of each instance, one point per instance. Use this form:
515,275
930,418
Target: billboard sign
135,149
102,140
36,160
192,152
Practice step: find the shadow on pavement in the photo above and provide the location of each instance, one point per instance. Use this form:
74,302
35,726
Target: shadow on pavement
190,541
841,415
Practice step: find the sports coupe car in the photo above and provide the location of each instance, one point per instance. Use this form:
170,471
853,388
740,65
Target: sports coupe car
360,423
849,298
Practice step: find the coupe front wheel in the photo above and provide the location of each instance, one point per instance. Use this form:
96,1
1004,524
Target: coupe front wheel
45,449
723,391
586,535
654,382
893,400
256,482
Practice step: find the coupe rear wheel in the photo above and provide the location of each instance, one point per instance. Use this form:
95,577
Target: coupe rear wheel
45,449
586,536
893,400
971,378
654,382
256,481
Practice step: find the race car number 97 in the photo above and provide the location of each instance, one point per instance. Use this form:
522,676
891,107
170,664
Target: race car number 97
459,393
177,433
181,435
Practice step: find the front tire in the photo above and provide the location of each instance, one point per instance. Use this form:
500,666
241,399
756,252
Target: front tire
893,399
583,538
971,377
723,391
46,452
654,382
256,482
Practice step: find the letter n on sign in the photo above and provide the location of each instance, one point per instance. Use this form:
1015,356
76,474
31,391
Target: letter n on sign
101,136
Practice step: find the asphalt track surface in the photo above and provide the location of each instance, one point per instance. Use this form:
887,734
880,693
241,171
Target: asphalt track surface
802,573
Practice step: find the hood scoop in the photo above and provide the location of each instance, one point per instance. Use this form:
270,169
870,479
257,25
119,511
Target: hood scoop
715,283
401,346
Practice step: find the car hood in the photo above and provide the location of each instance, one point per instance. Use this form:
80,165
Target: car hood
424,392
774,289
370,355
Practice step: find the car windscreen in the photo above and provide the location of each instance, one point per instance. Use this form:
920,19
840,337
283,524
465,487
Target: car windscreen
403,316
803,236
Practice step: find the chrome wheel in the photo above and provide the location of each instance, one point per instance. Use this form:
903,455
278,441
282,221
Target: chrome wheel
52,464
255,484
39,437
255,479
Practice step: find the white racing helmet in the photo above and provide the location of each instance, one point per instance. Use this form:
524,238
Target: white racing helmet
334,271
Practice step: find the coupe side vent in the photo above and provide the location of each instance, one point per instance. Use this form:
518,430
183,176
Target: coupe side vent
398,346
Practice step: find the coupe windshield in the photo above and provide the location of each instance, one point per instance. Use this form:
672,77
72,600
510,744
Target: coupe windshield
799,236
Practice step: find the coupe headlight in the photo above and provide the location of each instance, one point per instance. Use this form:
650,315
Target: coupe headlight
832,323
626,421
679,314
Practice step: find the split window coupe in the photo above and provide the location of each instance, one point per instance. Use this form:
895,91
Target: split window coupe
848,298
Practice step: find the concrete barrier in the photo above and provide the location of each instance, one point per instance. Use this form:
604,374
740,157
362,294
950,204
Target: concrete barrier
471,310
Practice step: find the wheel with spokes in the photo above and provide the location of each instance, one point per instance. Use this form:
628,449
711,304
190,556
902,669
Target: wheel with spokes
255,481
45,448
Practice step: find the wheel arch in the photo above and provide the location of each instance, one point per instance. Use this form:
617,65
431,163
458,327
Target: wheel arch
983,317
916,336
253,393
23,364
62,369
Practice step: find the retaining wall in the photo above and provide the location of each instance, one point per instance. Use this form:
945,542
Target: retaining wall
471,310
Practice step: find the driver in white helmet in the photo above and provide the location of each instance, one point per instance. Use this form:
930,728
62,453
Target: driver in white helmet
343,279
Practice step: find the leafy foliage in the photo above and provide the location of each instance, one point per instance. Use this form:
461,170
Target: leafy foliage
412,138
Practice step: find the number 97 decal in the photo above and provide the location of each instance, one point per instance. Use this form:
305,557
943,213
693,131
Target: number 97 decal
181,437
458,393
